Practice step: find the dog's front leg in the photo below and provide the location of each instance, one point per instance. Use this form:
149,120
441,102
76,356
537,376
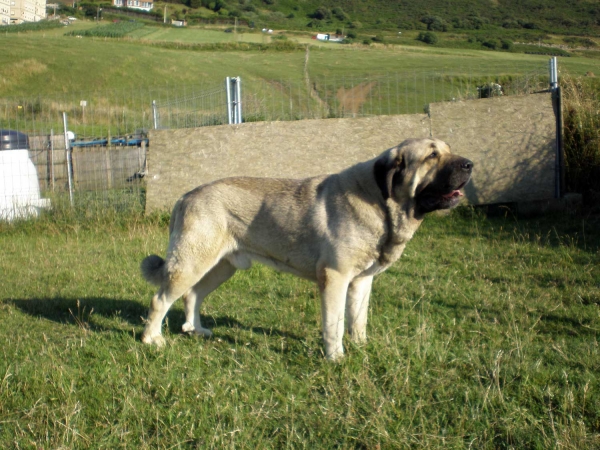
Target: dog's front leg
357,308
333,287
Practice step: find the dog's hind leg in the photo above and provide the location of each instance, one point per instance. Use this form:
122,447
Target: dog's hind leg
175,284
193,299
161,302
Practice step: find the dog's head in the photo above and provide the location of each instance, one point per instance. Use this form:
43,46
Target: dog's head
423,173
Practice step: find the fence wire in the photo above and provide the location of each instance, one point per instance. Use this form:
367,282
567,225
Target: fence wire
108,157
343,96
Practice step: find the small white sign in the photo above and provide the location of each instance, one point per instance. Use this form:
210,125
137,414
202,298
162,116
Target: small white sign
83,103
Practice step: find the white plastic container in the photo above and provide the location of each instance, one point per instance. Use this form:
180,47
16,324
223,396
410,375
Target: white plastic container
19,185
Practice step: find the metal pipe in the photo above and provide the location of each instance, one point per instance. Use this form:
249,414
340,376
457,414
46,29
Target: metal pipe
553,73
155,114
559,160
69,162
560,149
238,105
227,84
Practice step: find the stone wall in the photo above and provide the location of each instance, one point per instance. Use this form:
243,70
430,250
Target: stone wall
510,140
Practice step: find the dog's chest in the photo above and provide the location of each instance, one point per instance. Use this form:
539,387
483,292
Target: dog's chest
384,260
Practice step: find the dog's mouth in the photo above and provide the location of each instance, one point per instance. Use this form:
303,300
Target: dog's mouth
455,193
432,199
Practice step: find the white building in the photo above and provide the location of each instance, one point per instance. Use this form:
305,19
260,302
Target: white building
13,12
144,5
5,12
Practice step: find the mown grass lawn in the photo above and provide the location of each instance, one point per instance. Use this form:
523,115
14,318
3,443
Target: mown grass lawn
484,335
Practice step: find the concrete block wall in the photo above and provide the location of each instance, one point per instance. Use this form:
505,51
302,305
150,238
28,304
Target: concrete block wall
510,140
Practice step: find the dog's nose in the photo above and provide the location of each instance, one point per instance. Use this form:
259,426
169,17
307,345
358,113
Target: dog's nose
466,165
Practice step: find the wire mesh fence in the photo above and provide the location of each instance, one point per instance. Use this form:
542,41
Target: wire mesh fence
344,96
109,129
42,174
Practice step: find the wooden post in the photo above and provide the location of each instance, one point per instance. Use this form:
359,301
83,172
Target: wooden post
49,161
109,177
74,167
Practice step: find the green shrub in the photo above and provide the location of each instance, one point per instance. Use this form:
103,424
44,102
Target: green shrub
32,26
580,42
506,45
428,37
339,13
321,13
490,43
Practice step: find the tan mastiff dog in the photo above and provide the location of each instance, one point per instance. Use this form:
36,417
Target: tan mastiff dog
338,230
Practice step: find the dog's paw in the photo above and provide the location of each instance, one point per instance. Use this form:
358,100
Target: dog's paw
358,338
157,340
335,356
190,329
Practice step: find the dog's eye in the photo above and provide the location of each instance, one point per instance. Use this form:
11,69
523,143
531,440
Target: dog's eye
433,155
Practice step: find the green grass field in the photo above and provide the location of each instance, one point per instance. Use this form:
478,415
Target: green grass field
196,35
47,62
43,74
484,335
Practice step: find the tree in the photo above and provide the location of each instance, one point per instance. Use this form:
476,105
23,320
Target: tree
435,23
217,5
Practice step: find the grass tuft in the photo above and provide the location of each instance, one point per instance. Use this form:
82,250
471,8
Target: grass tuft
581,137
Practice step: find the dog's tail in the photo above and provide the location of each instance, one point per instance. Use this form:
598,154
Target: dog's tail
153,269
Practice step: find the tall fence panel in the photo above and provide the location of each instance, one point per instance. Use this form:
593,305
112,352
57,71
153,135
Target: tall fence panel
343,96
192,107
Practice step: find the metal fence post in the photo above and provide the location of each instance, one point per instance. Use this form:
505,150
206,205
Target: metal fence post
227,89
68,155
234,100
155,114
238,106
559,167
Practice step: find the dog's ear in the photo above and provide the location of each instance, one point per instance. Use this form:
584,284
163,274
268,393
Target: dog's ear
389,174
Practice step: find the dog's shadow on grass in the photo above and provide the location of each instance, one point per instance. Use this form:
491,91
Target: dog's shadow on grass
98,314
90,313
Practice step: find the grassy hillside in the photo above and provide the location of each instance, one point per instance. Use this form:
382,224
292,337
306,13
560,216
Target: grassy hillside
554,16
50,63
